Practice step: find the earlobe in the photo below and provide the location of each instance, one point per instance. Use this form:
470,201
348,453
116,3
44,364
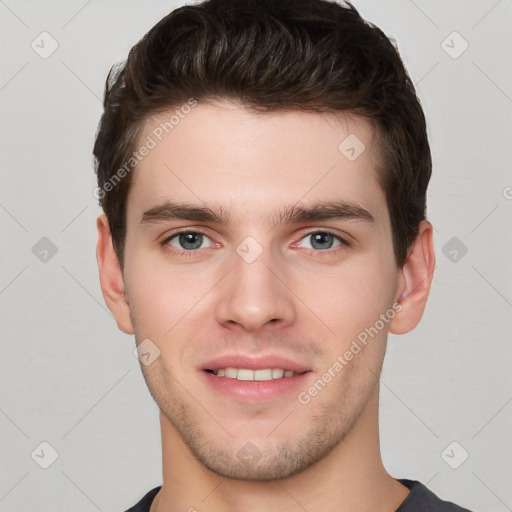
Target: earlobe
111,277
416,279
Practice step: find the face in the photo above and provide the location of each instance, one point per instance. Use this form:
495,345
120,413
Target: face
257,255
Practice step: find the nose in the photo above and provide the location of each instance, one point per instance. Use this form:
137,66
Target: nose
255,296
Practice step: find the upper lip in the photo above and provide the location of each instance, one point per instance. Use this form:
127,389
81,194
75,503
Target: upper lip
254,363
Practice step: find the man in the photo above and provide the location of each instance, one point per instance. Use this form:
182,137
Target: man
262,168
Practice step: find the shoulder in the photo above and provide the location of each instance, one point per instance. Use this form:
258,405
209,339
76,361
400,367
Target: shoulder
145,503
421,499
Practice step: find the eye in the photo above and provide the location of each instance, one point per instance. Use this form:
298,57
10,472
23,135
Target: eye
321,240
188,241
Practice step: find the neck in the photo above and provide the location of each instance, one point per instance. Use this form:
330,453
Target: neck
351,478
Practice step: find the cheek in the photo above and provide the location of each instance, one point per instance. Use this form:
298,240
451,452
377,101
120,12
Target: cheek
164,299
350,298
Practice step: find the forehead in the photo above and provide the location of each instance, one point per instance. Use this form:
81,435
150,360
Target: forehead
250,163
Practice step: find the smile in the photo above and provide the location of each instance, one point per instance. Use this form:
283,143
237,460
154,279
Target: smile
254,375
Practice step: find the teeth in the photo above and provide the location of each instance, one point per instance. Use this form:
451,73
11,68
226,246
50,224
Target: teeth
258,375
230,373
263,374
244,374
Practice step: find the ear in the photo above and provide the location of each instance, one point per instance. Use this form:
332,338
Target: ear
415,281
111,276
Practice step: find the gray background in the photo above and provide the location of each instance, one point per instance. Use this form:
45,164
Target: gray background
69,377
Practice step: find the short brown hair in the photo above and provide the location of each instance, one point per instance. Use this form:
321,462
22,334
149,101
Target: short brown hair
269,55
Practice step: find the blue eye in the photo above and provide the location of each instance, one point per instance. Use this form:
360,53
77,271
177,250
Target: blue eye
322,240
189,241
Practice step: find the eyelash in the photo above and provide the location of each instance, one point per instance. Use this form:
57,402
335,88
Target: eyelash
319,253
187,254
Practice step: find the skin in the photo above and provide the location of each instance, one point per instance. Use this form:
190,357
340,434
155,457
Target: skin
295,300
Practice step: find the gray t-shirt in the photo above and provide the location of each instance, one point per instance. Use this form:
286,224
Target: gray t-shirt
420,499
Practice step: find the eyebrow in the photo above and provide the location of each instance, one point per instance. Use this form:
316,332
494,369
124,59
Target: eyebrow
292,214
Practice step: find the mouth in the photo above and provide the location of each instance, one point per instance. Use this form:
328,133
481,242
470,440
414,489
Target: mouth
247,374
249,379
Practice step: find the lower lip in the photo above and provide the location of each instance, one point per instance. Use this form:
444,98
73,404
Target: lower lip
256,391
